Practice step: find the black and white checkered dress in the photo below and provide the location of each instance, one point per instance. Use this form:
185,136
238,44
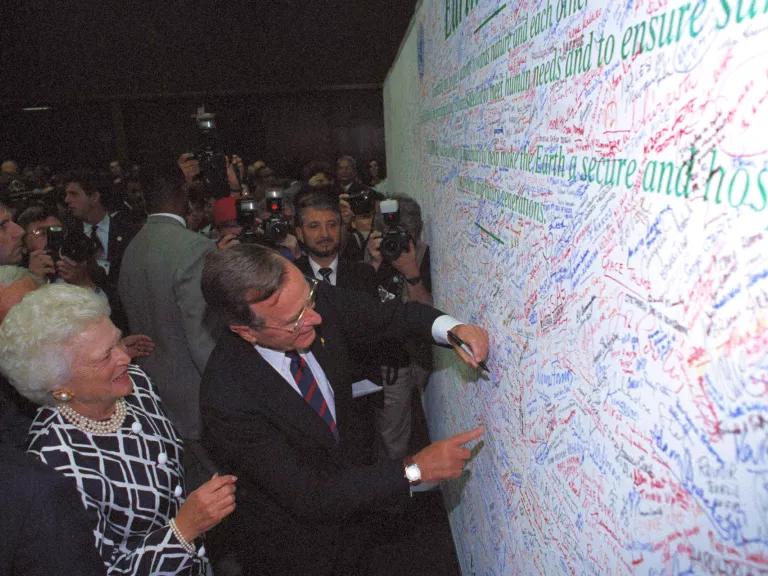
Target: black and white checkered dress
131,480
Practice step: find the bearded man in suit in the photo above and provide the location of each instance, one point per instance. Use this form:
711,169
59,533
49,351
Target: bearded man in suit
318,228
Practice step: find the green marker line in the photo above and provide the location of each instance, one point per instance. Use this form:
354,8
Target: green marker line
491,17
491,234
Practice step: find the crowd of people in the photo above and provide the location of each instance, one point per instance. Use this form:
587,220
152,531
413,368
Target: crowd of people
186,375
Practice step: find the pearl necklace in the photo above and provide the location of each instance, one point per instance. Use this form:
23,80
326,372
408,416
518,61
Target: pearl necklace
109,426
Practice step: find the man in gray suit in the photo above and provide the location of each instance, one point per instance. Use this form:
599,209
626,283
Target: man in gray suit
160,289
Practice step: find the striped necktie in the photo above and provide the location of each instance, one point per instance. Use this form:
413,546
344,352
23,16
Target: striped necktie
326,274
310,391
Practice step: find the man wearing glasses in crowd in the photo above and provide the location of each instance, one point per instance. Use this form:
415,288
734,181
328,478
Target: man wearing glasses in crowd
275,399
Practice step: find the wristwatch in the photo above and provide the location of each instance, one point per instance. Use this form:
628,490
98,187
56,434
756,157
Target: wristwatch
412,471
413,281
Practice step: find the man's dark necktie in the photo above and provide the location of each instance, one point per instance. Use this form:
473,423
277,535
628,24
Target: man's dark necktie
95,240
326,274
310,391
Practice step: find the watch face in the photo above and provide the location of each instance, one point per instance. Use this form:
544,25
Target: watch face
413,473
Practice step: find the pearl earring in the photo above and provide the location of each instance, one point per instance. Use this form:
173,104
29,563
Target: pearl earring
62,396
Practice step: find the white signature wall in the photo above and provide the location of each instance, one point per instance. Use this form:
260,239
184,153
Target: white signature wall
595,180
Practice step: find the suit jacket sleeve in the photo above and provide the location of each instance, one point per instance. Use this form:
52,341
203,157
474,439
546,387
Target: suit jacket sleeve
270,463
363,318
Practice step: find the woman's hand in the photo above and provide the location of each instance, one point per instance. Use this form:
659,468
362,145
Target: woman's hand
206,506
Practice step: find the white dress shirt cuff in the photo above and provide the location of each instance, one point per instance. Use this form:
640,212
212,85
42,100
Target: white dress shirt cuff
441,326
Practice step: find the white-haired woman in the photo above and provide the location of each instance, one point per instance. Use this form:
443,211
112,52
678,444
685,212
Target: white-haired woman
101,424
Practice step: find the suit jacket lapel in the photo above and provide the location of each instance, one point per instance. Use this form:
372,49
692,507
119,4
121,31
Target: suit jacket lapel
287,406
341,273
323,352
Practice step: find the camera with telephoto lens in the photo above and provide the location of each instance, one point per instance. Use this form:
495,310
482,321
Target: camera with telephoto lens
395,240
275,226
363,202
74,244
210,155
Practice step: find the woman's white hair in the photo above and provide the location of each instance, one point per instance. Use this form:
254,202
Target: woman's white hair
36,337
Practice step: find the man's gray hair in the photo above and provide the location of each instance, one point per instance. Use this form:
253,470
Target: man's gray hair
239,276
38,334
10,274
316,200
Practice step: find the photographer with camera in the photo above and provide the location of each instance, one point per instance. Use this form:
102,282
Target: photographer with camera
248,221
396,252
55,254
357,213
401,261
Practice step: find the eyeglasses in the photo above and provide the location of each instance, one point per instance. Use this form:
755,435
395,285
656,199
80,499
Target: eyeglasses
309,305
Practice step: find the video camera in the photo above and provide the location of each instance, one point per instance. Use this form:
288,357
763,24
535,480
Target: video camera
395,239
210,155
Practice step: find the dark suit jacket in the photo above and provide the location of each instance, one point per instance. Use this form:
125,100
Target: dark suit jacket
44,528
349,275
122,228
297,488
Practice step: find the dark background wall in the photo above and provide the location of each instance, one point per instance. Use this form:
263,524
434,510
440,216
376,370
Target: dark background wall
291,80
285,129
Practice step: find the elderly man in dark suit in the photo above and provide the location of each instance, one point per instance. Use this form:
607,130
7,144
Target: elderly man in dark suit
275,398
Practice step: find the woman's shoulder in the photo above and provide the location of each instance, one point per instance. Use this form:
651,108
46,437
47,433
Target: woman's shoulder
49,437
42,430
